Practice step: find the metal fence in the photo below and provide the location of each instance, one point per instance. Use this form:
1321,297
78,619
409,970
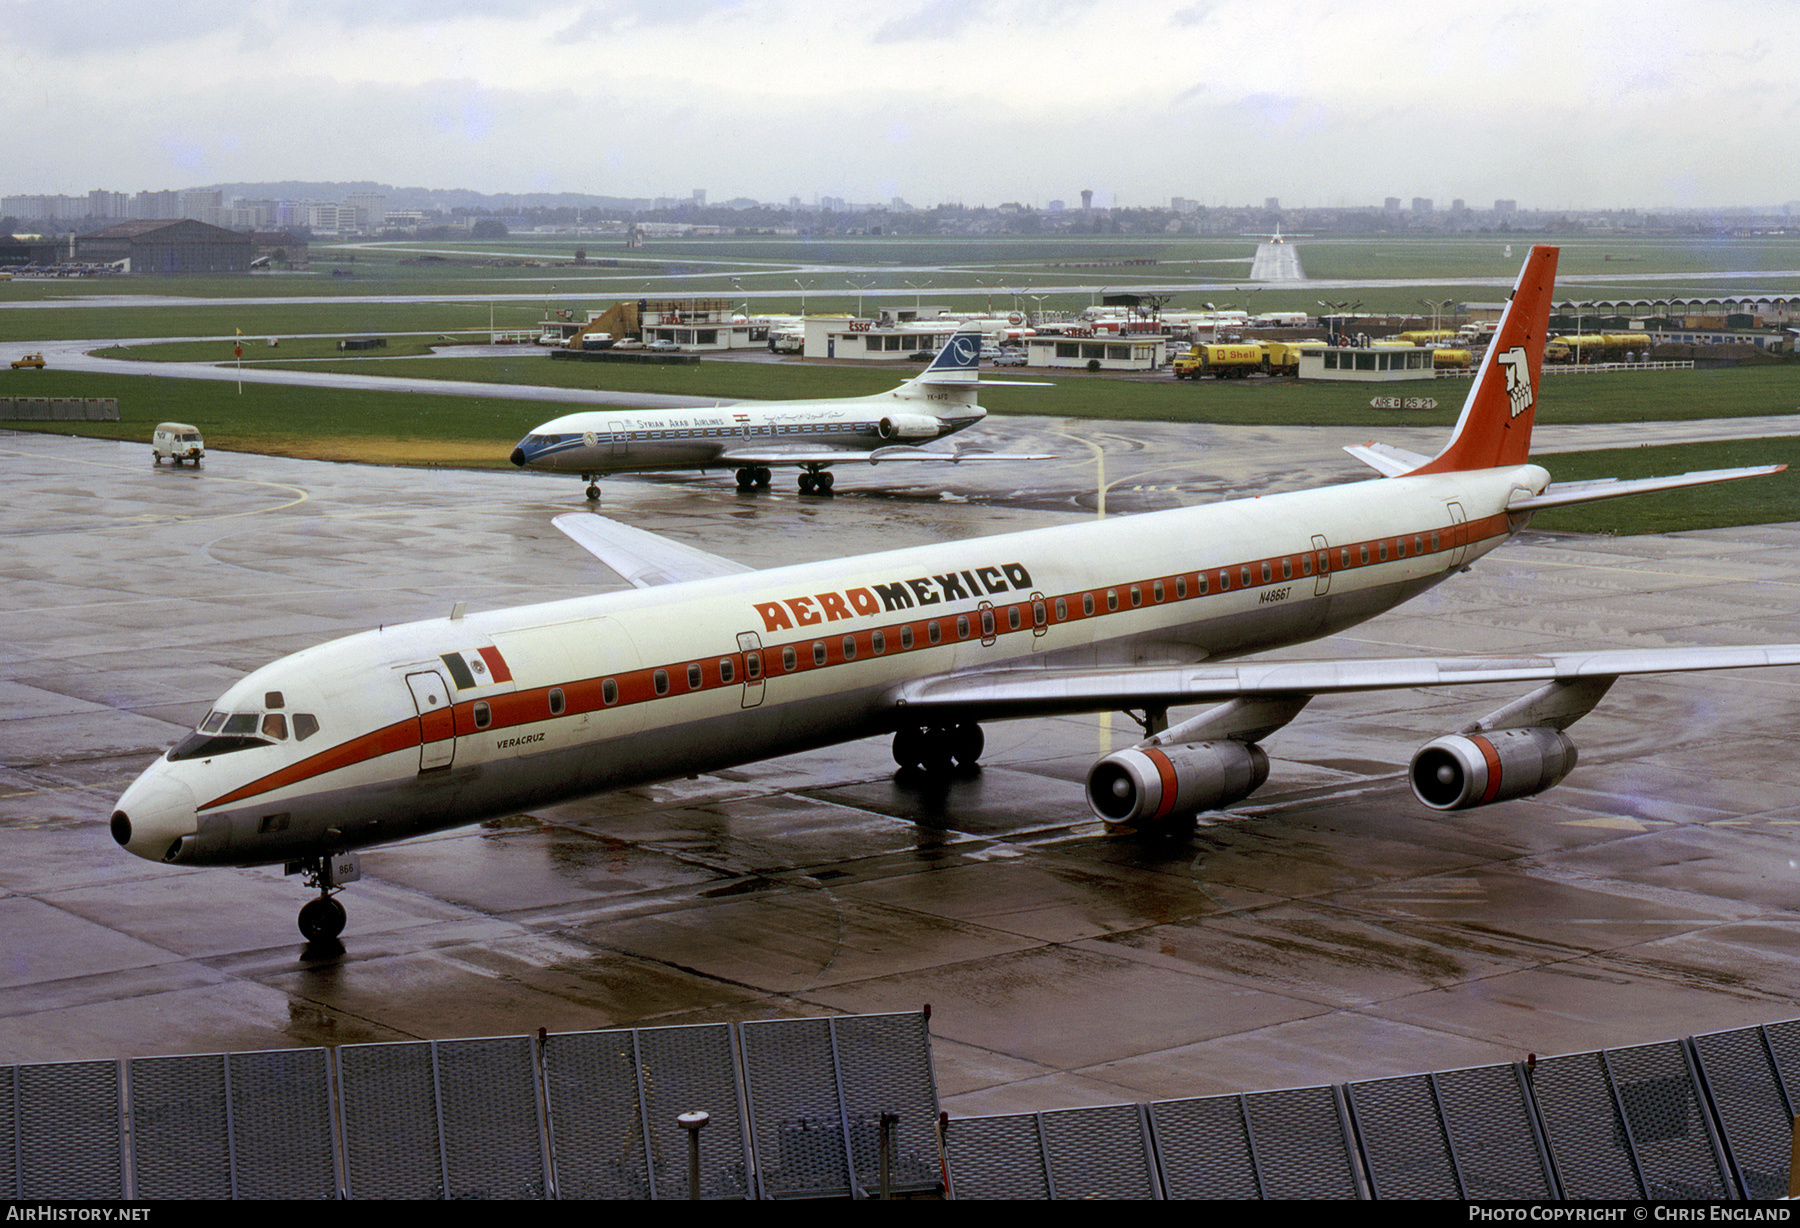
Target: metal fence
1710,1117
801,1108
795,1106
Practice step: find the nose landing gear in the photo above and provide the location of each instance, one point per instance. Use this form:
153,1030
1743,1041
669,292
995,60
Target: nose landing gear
322,920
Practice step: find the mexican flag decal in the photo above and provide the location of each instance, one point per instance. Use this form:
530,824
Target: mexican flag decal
482,667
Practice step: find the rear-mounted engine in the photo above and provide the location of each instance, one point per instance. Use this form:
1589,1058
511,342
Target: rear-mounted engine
1464,770
908,426
1148,783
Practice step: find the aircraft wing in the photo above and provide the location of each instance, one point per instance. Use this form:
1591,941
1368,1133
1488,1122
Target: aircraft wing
845,456
1050,691
642,557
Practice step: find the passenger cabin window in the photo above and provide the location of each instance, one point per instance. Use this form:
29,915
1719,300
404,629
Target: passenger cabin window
987,624
694,678
726,670
1224,580
609,692
659,681
1181,588
878,643
1156,591
1137,596
484,716
789,660
1112,599
849,648
1062,609
906,636
1087,604
932,631
962,626
557,702
752,666
1014,619
818,652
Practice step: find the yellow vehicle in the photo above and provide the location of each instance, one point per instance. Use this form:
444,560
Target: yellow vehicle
1284,356
1451,359
30,360
1221,361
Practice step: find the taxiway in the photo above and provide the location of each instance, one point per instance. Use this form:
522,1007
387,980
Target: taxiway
1329,929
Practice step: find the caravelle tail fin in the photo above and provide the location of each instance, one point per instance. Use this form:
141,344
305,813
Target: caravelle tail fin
952,375
1495,426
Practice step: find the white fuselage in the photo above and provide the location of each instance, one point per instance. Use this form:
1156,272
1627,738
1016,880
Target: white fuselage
599,442
579,696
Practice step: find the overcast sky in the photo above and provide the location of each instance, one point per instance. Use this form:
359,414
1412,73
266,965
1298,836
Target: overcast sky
1558,105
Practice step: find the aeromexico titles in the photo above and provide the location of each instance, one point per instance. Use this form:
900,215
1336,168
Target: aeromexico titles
754,438
704,663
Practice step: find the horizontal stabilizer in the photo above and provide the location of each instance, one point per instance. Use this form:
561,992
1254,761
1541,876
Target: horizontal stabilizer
1563,494
642,557
1385,459
1004,693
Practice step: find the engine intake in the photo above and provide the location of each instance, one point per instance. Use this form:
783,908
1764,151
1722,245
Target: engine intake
908,426
1147,783
1465,770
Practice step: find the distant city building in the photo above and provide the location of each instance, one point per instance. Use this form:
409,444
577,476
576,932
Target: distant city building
1056,206
1391,204
699,198
1087,199
1506,206
1272,204
1421,204
371,210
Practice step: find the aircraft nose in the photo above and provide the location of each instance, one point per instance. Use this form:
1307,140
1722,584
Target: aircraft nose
155,818
518,457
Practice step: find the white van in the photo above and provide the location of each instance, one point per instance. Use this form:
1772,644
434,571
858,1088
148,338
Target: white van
178,441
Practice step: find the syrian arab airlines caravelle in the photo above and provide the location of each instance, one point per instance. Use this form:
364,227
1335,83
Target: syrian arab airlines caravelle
751,437
705,663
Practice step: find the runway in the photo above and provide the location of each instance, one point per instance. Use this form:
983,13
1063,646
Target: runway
1329,929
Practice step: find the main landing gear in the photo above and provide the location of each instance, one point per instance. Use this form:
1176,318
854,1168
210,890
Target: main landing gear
322,920
816,481
751,477
935,749
593,490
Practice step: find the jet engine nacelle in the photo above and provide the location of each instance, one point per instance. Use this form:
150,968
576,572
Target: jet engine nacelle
908,426
1148,783
1464,770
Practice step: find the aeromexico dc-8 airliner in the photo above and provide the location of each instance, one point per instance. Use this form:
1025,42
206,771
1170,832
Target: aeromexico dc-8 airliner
753,436
705,663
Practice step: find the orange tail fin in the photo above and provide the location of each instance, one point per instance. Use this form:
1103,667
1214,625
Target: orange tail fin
1495,427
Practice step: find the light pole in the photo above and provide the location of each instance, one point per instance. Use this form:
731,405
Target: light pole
803,289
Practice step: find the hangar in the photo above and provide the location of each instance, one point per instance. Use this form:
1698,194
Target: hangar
168,248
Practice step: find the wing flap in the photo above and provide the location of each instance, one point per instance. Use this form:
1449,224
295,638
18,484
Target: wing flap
1049,691
642,557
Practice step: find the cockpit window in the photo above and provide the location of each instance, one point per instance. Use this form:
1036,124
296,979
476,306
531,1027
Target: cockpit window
224,732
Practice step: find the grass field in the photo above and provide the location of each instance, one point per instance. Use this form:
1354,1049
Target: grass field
417,428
